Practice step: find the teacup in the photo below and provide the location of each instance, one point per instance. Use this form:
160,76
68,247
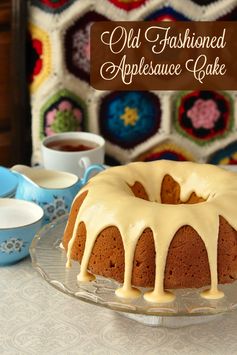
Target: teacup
72,152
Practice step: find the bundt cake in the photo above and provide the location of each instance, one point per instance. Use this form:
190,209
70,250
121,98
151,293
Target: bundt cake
162,224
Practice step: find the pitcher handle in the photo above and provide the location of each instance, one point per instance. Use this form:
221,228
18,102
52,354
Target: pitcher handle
92,168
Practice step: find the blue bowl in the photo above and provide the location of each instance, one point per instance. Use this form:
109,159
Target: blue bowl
8,183
19,222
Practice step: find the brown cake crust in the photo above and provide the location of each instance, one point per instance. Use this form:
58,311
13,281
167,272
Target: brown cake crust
186,264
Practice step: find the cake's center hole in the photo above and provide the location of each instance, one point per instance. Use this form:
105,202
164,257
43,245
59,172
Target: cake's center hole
170,193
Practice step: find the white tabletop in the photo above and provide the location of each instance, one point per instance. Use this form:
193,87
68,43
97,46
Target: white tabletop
35,318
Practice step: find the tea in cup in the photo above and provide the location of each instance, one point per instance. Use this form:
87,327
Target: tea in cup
72,152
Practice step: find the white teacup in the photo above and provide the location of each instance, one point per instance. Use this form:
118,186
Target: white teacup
62,152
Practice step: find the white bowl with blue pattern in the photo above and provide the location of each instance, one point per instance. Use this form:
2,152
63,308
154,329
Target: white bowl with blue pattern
19,222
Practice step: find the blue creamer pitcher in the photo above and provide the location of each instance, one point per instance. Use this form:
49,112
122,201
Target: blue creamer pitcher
53,190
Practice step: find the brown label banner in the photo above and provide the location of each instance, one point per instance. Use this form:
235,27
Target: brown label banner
164,55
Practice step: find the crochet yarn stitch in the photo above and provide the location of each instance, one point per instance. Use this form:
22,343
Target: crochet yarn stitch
129,118
137,125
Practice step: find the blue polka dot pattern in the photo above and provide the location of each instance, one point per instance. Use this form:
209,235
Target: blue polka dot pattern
129,118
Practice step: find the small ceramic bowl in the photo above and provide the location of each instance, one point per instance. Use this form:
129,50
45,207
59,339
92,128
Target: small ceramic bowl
8,183
19,222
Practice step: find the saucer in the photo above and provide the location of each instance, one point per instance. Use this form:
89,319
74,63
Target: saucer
8,183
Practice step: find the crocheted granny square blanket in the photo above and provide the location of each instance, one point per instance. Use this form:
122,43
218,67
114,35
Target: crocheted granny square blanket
137,125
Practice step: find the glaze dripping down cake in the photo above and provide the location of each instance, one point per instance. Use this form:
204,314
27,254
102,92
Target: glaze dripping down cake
162,224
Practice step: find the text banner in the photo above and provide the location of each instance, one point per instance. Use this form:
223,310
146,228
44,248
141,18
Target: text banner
164,55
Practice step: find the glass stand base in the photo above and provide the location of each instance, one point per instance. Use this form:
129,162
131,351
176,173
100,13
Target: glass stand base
171,322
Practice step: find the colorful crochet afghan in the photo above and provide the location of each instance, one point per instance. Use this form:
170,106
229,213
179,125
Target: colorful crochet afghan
198,125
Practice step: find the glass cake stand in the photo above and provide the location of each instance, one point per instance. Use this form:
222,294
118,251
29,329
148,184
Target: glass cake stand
188,308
